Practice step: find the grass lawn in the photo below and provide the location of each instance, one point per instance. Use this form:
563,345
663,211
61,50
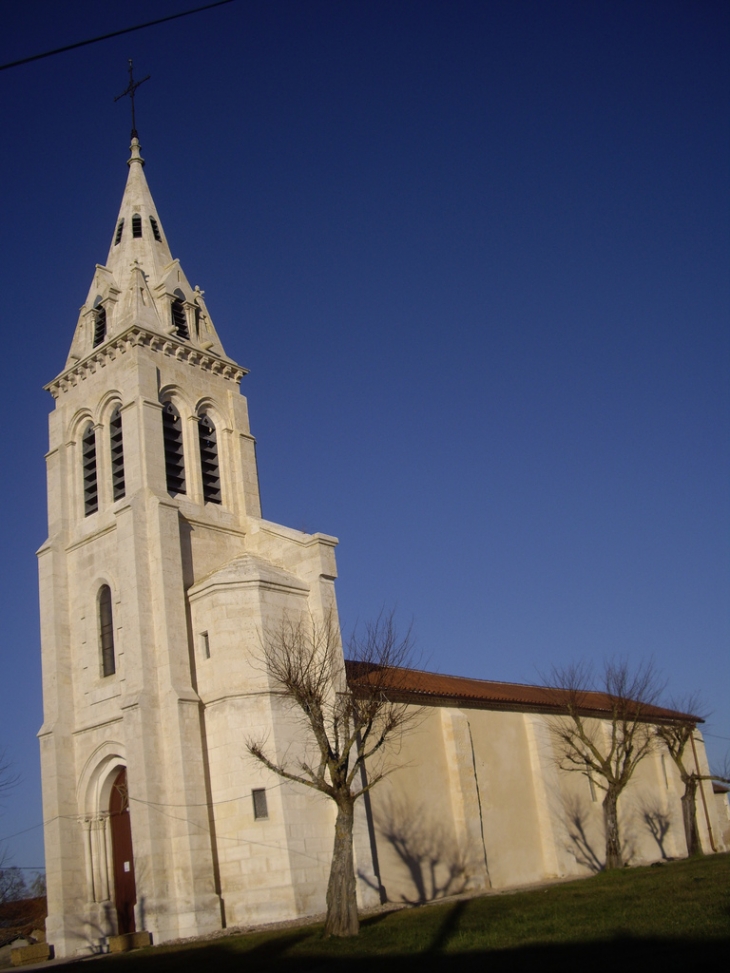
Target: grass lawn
672,917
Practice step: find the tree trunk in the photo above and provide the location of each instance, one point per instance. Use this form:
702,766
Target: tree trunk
342,917
610,819
689,817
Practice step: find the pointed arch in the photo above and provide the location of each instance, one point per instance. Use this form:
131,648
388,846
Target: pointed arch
88,459
136,225
174,455
94,791
209,467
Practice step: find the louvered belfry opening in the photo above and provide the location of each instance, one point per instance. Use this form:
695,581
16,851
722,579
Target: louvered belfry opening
88,452
179,319
106,631
99,325
118,237
155,229
117,451
136,225
174,458
209,460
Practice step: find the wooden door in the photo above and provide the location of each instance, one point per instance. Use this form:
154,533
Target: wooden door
125,891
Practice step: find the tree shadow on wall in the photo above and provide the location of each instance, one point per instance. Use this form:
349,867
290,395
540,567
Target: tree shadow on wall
434,863
576,815
658,823
95,934
589,851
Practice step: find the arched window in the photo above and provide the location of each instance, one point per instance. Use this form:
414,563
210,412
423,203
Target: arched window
117,450
106,631
179,318
136,225
99,324
174,459
155,229
118,237
209,460
88,453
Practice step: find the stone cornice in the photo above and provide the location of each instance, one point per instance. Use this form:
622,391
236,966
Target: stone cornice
137,336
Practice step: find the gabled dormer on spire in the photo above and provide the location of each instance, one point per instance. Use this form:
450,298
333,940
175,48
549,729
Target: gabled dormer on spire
141,284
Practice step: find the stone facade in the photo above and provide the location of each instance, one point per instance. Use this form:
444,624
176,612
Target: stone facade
478,801
156,581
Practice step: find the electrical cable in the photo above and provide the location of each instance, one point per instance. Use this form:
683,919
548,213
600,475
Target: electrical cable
105,37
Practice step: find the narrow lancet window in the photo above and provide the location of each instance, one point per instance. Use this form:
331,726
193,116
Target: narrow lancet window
118,237
117,450
174,459
99,325
106,631
179,319
136,225
88,452
209,461
155,229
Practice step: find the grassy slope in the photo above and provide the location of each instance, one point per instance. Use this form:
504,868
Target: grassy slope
676,916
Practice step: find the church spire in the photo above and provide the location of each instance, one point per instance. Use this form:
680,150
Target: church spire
141,284
138,233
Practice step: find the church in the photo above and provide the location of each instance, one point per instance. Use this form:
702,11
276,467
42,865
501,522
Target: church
157,578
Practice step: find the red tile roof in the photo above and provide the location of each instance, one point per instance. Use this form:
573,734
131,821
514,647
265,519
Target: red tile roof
430,688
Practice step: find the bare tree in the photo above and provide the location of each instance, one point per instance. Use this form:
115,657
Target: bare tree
345,724
677,735
8,781
12,885
607,730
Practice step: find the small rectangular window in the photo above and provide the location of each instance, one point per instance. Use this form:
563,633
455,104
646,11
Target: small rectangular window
260,810
664,771
205,645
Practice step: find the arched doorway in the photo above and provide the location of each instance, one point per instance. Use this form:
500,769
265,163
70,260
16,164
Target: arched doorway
125,890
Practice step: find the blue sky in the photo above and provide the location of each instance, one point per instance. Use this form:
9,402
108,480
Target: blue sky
476,258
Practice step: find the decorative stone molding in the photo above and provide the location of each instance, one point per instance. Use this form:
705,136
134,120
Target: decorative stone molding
137,336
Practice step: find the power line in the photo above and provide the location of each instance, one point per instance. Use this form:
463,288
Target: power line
115,33
26,830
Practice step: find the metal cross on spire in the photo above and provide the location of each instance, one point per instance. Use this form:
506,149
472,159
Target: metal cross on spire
130,90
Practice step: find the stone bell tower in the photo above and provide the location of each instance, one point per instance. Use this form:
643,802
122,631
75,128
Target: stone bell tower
155,581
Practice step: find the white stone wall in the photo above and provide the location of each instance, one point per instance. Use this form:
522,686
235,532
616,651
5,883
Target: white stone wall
471,784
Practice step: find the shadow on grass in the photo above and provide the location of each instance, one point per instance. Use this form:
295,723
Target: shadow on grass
651,955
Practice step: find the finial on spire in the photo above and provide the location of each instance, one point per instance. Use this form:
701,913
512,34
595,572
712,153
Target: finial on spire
130,90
